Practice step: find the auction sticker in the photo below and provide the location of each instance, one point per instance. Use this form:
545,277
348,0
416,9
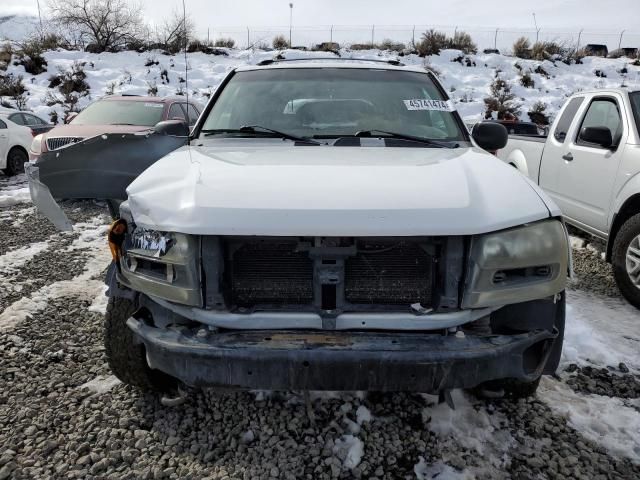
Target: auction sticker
427,104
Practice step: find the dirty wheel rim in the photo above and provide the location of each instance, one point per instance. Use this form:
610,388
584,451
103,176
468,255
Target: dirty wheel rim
17,162
633,261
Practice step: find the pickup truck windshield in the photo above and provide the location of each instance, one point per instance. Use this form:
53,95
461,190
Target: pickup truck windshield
120,112
635,105
335,102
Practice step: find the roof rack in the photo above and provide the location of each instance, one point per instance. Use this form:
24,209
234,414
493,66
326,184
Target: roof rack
271,61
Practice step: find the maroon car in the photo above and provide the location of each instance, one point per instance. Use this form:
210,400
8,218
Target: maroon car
116,114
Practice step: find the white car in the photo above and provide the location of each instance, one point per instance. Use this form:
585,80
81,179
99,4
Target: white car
15,141
329,226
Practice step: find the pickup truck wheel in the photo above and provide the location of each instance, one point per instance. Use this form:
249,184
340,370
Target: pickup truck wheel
126,356
15,162
626,260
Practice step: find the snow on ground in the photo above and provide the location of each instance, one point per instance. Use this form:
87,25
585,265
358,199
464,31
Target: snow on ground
350,449
14,259
439,471
600,331
14,191
607,421
125,72
100,384
92,242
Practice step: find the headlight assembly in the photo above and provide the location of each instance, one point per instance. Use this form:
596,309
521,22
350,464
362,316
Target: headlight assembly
517,265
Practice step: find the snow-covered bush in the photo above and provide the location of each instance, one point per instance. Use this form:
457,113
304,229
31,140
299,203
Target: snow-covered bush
29,55
71,86
279,42
501,100
547,51
526,80
389,45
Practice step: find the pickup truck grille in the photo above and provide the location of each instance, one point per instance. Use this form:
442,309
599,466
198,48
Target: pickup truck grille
275,273
54,143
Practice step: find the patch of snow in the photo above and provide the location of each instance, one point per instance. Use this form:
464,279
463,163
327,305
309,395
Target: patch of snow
83,286
101,384
99,304
439,471
350,449
473,428
14,259
600,331
363,415
10,197
606,421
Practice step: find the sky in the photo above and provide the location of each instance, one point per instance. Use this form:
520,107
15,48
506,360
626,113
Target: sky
553,15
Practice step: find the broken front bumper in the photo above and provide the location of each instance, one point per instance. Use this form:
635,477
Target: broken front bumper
305,360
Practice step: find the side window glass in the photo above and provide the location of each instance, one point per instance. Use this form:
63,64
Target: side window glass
2,125
604,112
17,118
192,113
562,127
176,112
31,120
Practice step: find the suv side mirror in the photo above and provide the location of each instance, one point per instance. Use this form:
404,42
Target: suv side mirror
597,135
490,136
173,128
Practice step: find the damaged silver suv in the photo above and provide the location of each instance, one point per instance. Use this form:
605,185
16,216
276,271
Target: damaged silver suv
329,225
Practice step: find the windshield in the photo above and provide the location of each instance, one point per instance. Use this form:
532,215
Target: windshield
123,112
334,102
635,105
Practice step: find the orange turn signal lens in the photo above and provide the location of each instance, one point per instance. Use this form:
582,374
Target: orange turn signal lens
115,236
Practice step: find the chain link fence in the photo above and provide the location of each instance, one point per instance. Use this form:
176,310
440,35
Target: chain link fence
346,35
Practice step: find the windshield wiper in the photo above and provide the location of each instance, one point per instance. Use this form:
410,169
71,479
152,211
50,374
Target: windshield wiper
260,130
402,136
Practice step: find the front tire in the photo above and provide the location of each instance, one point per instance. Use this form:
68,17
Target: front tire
125,355
625,260
16,158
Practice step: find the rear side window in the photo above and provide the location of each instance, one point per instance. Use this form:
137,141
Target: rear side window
17,118
2,125
635,106
175,112
562,128
192,113
31,119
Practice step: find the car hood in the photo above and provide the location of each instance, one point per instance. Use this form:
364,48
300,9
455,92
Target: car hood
332,191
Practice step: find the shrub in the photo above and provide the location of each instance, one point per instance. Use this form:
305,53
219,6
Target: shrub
362,46
12,87
522,48
152,88
279,42
388,44
547,50
501,100
225,43
5,55
431,43
71,86
541,71
527,81
332,47
30,57
462,41
538,115
151,61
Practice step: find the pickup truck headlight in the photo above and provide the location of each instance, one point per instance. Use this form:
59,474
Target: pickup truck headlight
517,265
162,264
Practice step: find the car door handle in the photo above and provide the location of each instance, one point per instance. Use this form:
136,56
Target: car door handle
568,157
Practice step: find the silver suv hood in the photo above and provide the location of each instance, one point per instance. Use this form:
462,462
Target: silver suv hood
332,191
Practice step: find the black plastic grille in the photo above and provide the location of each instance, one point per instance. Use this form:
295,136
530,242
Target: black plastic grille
269,273
389,273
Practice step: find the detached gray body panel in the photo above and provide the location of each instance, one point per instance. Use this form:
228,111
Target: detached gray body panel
102,167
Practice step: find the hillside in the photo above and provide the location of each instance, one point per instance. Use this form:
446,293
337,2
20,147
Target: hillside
467,78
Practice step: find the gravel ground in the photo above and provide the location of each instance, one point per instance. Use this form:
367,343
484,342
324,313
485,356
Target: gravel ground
62,414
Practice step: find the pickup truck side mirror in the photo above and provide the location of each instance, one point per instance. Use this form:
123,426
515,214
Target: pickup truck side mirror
172,128
490,136
597,135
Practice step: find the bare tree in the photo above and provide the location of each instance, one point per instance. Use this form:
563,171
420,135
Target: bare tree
104,24
174,33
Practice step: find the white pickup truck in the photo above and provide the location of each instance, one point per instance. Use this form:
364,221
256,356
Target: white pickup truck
330,225
590,166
